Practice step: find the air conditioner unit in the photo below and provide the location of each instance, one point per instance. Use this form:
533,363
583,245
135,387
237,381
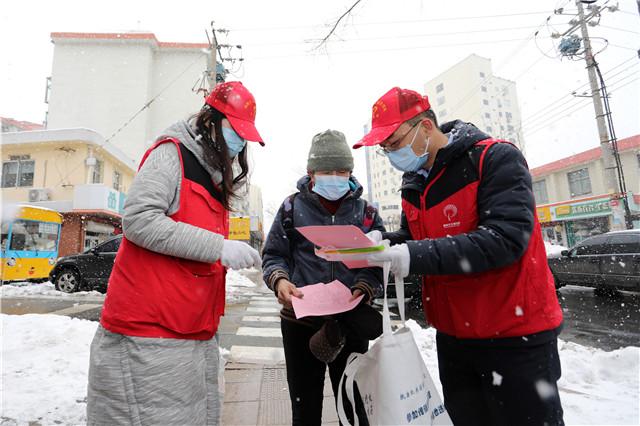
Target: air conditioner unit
39,194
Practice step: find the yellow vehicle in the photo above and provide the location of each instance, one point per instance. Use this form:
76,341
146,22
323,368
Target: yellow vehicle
30,239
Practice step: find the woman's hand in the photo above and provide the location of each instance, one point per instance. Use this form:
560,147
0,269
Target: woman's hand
239,255
285,290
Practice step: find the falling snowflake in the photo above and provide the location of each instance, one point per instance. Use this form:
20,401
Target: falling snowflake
545,389
519,311
497,379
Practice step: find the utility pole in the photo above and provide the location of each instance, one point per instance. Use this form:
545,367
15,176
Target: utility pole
212,63
605,147
570,47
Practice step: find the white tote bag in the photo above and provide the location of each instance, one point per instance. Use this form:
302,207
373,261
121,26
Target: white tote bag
393,380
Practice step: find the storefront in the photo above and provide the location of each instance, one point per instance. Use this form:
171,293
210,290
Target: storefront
95,217
568,223
82,230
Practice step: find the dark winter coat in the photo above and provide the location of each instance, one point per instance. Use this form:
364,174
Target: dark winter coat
472,231
288,254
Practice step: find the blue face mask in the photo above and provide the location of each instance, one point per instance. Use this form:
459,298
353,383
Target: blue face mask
331,187
235,143
405,160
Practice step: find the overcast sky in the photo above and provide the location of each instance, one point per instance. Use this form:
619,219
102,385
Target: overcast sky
301,91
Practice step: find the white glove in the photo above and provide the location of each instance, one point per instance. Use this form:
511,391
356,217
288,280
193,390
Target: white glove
399,257
239,255
375,236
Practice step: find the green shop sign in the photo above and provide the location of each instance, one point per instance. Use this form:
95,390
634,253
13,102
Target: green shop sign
594,208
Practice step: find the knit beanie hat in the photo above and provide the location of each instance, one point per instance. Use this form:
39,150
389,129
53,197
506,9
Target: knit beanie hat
329,152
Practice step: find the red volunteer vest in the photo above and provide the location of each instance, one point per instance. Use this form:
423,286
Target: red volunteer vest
514,300
155,295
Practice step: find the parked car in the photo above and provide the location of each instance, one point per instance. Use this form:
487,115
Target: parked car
86,271
607,261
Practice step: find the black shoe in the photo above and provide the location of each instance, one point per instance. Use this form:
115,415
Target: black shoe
328,342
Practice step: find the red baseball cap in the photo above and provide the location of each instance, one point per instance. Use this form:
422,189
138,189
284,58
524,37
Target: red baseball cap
390,111
239,106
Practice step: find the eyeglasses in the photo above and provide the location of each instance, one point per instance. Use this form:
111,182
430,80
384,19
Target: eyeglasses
384,150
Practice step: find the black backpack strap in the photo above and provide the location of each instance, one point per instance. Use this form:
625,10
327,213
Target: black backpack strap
287,217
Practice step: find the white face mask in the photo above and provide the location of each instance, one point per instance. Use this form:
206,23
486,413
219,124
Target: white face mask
331,187
406,160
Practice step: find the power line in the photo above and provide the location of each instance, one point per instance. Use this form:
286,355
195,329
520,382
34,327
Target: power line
510,57
546,107
455,18
148,103
570,110
553,111
391,49
549,109
404,36
620,29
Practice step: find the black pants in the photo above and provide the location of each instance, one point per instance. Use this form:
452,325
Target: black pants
500,385
305,374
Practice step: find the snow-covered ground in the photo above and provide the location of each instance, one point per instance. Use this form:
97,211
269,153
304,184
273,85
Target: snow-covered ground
237,288
45,362
44,290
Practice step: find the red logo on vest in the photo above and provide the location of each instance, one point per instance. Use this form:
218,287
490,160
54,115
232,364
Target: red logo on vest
450,211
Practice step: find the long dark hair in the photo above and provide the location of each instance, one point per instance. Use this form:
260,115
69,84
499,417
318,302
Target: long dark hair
216,153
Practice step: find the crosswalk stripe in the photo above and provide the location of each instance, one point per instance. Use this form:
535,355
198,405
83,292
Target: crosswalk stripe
263,310
256,354
76,309
256,318
259,332
263,303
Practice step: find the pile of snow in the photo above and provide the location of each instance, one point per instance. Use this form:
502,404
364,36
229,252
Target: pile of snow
45,361
238,286
596,387
554,250
46,357
43,290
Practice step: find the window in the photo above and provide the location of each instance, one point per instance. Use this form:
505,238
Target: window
97,172
31,235
624,243
18,171
489,129
589,246
439,87
540,192
483,88
509,116
443,113
117,179
481,74
499,113
110,246
485,102
440,100
5,235
638,157
510,128
487,115
579,182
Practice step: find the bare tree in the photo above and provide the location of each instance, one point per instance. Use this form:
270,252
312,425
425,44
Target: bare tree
337,22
